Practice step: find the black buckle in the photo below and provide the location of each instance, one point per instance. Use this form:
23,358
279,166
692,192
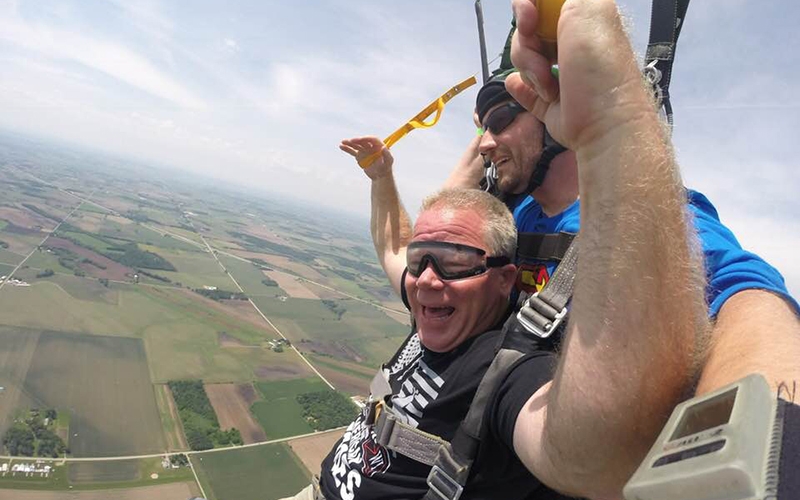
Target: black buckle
443,485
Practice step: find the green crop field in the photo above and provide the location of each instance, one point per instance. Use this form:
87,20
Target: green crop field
363,329
105,384
5,269
7,257
17,346
42,259
265,472
278,411
194,269
103,472
249,277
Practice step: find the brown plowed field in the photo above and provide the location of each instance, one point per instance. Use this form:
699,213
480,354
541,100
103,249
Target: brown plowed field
313,449
345,382
294,288
25,218
230,402
113,270
173,491
284,262
282,372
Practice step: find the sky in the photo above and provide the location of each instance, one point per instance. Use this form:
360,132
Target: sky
260,92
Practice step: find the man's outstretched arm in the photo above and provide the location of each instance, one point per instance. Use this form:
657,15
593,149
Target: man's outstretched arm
389,223
638,306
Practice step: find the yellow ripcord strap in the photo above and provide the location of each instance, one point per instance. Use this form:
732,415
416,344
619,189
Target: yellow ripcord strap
419,120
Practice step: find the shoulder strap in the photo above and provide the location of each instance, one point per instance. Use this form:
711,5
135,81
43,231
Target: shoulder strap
543,246
544,311
666,20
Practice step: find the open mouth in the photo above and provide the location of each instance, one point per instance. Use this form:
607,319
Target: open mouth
437,313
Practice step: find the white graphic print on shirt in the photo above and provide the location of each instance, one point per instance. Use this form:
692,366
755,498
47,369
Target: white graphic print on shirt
358,454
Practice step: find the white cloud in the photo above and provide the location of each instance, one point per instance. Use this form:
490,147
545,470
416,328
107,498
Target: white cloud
105,56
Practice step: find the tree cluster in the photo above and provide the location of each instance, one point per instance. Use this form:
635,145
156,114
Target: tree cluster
132,256
327,409
199,420
33,437
219,294
335,307
45,274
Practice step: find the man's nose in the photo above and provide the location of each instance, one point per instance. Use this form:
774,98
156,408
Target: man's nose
429,278
487,143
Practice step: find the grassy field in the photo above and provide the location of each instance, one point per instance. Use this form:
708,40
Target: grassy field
170,421
5,269
87,476
9,257
17,346
105,384
363,334
194,269
278,411
249,277
259,473
42,259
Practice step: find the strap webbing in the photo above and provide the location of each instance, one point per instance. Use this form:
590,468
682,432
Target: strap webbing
543,246
666,20
543,312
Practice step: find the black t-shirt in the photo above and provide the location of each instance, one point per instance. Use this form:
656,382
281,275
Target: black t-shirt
433,392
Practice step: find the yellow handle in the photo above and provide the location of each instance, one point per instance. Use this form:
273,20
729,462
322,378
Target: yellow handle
418,121
547,27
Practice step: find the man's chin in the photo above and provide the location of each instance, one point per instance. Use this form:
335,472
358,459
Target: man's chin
436,341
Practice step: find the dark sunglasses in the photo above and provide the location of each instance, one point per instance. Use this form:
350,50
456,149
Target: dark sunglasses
450,261
502,117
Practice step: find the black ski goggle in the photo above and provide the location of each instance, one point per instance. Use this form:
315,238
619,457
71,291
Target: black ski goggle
450,261
502,117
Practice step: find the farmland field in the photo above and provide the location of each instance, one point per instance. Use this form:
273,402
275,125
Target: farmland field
258,473
278,411
311,450
174,491
98,339
171,422
17,346
105,383
231,403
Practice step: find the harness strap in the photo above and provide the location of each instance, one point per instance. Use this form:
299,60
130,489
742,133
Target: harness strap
544,311
666,21
543,246
402,438
450,472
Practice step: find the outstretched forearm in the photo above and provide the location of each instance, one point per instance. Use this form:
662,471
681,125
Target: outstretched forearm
390,228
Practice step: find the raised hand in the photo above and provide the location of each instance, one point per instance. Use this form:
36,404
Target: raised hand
362,148
599,86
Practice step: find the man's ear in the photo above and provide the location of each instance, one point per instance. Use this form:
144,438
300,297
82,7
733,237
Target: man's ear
508,276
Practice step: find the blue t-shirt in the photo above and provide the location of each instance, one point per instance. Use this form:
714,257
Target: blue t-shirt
729,268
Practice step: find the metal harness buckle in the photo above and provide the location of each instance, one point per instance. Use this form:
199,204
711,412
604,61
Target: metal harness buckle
443,485
527,313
